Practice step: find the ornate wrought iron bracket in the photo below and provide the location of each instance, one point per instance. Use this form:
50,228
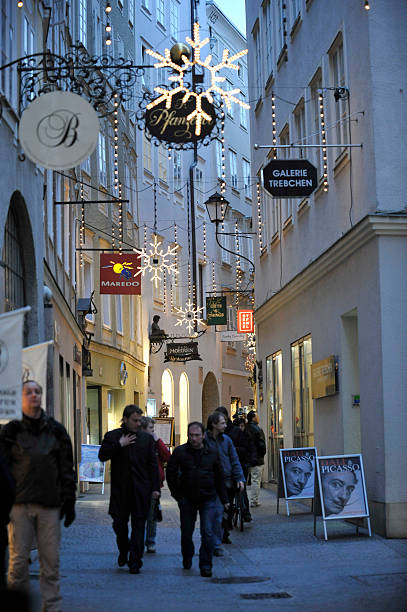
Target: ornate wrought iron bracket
156,344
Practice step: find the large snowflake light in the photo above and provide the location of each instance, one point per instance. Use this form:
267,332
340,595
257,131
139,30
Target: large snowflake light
228,96
189,315
156,261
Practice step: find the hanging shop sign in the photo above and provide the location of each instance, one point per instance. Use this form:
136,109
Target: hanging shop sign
182,351
291,178
216,310
324,377
118,273
231,336
175,124
245,321
59,130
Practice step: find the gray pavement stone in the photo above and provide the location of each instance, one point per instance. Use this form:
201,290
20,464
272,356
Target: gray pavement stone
347,573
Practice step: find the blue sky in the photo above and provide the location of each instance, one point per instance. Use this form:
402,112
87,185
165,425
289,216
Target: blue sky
235,11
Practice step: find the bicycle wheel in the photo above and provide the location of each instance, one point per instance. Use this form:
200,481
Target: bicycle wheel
240,510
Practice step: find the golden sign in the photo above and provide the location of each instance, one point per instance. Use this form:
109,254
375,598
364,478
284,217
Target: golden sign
323,379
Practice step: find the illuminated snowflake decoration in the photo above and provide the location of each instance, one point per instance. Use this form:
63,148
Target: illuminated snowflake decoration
189,316
228,96
251,342
156,261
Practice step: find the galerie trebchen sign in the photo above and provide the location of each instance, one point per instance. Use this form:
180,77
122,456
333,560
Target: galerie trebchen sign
59,130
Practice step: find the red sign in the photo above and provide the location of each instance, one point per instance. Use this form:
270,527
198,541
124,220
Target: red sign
118,274
245,321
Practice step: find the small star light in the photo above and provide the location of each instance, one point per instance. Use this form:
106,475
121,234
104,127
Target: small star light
189,316
228,96
156,261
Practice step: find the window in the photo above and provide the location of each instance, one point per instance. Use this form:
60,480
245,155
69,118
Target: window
174,18
233,168
268,36
230,111
199,189
119,47
295,7
132,11
83,22
98,35
338,80
218,151
13,264
274,374
102,160
303,407
88,283
225,242
147,154
316,86
6,50
145,4
177,170
119,317
299,123
243,112
258,60
246,178
160,11
131,317
231,322
162,164
281,19
145,60
107,321
264,215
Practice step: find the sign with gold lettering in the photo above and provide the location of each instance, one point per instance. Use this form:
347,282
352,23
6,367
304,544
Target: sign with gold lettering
216,310
323,378
174,124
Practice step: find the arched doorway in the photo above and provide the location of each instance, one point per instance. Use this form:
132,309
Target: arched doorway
210,396
167,391
183,407
18,263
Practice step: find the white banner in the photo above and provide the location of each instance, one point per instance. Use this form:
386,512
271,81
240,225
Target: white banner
11,344
35,366
232,336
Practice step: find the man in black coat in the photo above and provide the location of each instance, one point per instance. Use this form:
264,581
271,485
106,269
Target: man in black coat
256,468
195,478
134,479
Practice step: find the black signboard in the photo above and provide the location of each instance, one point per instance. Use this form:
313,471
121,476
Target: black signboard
290,178
182,351
216,310
171,124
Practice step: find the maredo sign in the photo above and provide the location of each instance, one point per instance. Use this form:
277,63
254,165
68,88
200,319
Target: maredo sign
118,274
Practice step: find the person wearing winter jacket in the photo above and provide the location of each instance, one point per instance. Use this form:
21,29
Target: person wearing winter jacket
232,470
256,468
163,455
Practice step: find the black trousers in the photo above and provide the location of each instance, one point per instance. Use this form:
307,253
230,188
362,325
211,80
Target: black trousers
134,546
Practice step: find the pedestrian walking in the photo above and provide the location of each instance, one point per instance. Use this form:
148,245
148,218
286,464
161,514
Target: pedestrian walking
246,452
195,480
39,452
230,426
8,495
162,454
134,480
256,468
232,473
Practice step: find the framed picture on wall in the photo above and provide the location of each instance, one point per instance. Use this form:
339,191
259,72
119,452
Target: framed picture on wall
298,472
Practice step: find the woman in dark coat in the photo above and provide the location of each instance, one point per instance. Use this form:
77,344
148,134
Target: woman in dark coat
134,479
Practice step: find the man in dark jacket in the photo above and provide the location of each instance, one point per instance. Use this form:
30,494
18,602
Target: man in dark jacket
256,468
195,479
39,452
134,480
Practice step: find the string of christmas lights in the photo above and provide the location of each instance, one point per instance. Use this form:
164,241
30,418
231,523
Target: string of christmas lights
82,228
120,220
323,140
204,242
108,27
213,277
273,123
238,269
259,219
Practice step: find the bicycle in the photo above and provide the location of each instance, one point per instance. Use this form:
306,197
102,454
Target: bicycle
238,510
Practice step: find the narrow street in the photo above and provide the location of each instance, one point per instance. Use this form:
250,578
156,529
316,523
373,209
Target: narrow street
275,555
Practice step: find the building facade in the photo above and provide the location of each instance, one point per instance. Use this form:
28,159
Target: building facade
331,268
55,225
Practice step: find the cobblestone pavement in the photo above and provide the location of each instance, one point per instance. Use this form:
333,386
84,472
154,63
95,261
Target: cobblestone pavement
275,555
